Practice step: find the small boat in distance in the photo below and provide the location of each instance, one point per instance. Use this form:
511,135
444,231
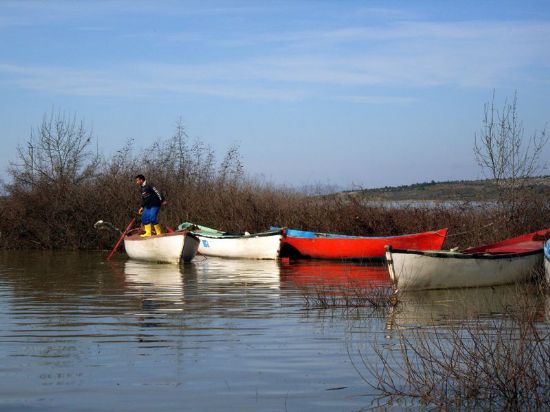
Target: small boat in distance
547,262
213,242
306,244
508,261
164,248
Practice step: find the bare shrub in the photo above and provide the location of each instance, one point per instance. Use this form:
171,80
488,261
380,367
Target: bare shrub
48,201
61,187
509,158
58,151
502,150
477,364
348,296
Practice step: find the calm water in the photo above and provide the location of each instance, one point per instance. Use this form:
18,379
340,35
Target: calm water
79,333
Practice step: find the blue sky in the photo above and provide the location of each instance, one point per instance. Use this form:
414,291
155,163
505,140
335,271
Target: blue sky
348,93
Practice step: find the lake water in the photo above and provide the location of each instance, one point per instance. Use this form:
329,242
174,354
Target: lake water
79,333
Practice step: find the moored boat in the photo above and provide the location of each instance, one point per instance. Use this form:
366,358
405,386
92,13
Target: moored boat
165,248
300,243
213,242
547,261
509,261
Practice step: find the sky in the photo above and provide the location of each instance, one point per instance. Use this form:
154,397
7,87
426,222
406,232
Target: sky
354,94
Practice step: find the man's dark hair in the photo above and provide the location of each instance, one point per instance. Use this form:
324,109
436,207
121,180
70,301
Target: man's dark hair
140,177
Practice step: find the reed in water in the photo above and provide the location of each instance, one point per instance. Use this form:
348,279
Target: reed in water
467,361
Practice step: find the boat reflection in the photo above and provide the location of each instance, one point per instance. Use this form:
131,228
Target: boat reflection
315,273
238,272
441,307
159,287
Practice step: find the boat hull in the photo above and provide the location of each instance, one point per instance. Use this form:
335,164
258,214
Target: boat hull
165,248
357,247
259,246
416,270
547,262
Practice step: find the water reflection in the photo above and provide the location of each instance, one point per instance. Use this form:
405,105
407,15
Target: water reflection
454,305
312,273
214,334
158,287
203,287
219,273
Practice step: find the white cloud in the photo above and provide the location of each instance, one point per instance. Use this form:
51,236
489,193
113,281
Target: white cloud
144,81
297,65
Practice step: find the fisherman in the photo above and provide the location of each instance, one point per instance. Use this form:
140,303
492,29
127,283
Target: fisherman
151,201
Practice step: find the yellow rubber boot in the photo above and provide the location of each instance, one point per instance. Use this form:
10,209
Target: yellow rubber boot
158,230
147,228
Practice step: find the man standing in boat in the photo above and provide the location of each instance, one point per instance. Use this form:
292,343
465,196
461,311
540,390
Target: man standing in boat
151,201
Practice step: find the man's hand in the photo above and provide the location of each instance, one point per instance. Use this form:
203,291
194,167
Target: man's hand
140,211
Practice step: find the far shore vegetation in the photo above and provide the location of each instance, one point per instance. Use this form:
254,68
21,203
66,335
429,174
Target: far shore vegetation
485,190
60,185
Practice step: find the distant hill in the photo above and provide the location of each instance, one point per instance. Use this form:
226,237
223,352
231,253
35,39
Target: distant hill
462,190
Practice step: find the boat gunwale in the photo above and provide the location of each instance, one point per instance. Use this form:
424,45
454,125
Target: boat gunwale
136,236
447,254
333,236
537,236
243,236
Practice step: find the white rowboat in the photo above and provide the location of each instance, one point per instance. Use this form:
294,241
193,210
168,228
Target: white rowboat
509,261
165,248
422,270
213,242
248,246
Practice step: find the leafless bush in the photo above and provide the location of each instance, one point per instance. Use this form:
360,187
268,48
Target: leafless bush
348,296
508,157
499,363
501,149
58,151
62,187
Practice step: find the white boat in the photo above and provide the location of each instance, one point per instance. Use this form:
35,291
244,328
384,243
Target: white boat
509,261
547,261
422,270
165,248
248,246
264,245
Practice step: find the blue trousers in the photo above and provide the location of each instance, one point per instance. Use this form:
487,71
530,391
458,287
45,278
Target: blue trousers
150,215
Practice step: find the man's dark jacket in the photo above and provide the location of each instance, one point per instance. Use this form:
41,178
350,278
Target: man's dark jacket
150,196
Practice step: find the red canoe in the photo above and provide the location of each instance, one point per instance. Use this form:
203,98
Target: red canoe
519,244
299,243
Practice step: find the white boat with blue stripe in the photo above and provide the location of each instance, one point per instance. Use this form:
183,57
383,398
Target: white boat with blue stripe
263,245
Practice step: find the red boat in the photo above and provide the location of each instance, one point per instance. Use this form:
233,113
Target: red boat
519,244
305,244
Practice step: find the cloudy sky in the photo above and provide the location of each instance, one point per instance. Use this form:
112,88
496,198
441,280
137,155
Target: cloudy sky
348,93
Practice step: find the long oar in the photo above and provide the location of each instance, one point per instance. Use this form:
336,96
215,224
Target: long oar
121,238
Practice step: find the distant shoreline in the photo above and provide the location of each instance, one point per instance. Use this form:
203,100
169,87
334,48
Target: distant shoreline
460,190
